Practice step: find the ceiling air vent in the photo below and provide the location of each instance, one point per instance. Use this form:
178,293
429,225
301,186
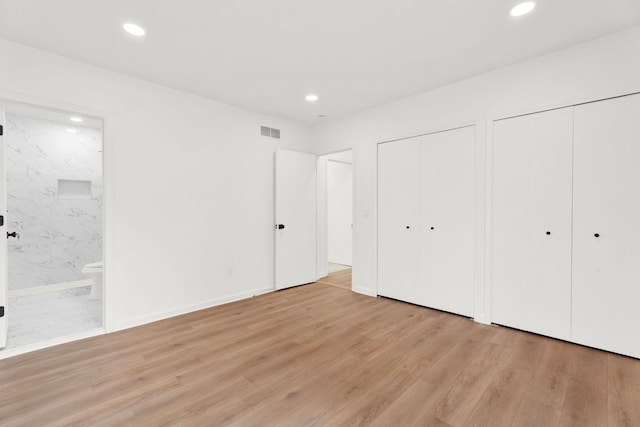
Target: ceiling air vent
267,131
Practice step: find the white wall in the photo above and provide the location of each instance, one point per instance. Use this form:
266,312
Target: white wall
57,236
602,68
188,185
189,182
339,212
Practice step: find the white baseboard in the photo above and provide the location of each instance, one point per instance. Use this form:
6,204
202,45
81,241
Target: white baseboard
364,291
190,308
37,290
10,352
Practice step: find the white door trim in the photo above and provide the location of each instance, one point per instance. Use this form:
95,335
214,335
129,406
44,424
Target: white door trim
4,277
322,221
108,177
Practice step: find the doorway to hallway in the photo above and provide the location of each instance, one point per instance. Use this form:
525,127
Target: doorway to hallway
335,218
339,276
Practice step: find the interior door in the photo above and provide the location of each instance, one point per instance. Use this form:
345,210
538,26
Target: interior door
532,194
399,220
606,235
4,279
447,227
295,213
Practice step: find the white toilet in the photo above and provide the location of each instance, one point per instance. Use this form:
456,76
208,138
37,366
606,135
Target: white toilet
94,271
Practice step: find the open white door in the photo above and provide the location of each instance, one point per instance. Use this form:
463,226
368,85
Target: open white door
4,278
295,218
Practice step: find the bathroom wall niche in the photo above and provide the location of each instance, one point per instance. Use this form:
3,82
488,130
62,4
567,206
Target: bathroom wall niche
73,189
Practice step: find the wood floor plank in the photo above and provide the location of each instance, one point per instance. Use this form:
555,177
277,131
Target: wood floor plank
532,413
590,365
319,355
587,392
500,401
375,398
558,356
548,387
193,402
624,391
458,402
409,408
528,351
585,403
315,394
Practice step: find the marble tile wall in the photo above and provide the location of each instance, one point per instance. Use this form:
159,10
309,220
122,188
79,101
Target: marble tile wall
57,237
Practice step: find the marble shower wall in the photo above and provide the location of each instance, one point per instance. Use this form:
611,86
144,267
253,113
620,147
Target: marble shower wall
57,237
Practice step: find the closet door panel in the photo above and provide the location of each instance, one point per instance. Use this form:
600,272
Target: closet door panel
398,219
606,268
447,220
532,193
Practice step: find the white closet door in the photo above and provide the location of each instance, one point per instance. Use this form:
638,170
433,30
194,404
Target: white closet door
398,219
606,235
531,257
447,220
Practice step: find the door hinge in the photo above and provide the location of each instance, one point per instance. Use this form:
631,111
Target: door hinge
1,130
1,220
2,311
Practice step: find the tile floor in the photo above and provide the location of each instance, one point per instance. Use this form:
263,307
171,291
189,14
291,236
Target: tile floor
41,317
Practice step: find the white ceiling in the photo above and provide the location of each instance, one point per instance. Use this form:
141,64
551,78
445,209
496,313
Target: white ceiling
267,55
56,116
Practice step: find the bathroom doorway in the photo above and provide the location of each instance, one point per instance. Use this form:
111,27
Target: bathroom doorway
337,208
54,225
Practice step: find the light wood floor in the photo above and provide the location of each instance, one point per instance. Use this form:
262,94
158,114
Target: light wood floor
319,355
341,279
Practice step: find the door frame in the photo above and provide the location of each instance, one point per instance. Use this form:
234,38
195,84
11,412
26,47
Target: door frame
323,214
4,273
108,217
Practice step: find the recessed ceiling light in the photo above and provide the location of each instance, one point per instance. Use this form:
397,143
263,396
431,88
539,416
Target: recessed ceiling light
70,130
75,119
134,29
311,97
523,8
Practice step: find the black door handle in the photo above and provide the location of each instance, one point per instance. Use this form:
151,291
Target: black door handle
13,234
279,226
